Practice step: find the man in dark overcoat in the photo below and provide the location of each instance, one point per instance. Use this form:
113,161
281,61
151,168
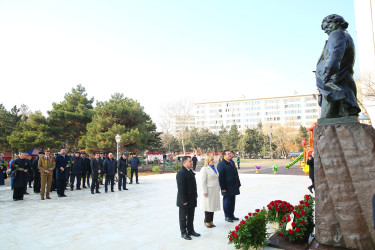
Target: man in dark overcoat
310,162
96,170
122,166
77,169
186,198
20,168
109,167
229,184
62,162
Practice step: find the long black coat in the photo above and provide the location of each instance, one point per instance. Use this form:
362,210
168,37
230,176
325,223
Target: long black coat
95,166
228,178
61,162
311,168
21,177
86,166
77,165
122,165
186,188
109,166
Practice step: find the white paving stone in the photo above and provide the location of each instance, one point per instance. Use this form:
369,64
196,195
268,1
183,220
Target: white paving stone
144,217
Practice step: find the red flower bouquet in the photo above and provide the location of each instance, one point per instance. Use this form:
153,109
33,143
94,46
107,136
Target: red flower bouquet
302,224
251,231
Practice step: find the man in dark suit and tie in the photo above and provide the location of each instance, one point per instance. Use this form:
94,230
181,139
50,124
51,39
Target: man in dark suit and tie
101,159
76,170
96,170
62,161
110,169
229,184
186,198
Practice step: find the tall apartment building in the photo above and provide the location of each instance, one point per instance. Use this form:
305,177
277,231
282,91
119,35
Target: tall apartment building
290,111
181,122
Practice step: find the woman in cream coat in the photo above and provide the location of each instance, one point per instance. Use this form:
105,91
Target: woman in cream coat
211,191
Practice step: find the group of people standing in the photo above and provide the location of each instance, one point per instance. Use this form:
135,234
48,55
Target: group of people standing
222,178
61,172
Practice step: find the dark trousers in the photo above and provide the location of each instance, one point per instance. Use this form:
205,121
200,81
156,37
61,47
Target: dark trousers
94,184
37,183
229,203
18,193
83,180
75,176
186,216
27,181
238,165
312,185
111,179
121,181
194,165
88,179
134,170
61,184
208,216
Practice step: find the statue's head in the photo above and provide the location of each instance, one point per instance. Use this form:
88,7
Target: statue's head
333,22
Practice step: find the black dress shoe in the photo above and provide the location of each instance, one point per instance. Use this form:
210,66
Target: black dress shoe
234,218
106,191
62,195
228,219
137,182
119,189
97,192
126,189
310,189
92,192
26,193
194,234
185,236
112,190
78,188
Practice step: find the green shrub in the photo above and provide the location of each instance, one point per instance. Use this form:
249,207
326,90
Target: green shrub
156,169
176,168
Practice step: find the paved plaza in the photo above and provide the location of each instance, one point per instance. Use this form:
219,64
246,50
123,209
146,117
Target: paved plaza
144,217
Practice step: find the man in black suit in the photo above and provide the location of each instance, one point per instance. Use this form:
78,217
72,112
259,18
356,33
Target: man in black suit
96,170
186,198
85,169
77,168
101,159
229,184
195,160
122,166
109,167
310,162
62,161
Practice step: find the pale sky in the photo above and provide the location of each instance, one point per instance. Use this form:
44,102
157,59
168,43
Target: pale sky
158,51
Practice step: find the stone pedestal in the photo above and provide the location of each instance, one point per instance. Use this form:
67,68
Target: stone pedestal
345,185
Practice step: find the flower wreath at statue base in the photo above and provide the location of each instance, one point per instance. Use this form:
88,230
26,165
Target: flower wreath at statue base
296,223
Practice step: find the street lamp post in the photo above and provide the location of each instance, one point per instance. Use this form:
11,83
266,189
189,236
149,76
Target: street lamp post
118,139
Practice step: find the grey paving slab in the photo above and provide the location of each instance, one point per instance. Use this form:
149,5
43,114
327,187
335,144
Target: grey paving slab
144,217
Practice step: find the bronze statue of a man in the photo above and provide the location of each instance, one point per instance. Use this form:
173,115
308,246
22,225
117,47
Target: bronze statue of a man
334,71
